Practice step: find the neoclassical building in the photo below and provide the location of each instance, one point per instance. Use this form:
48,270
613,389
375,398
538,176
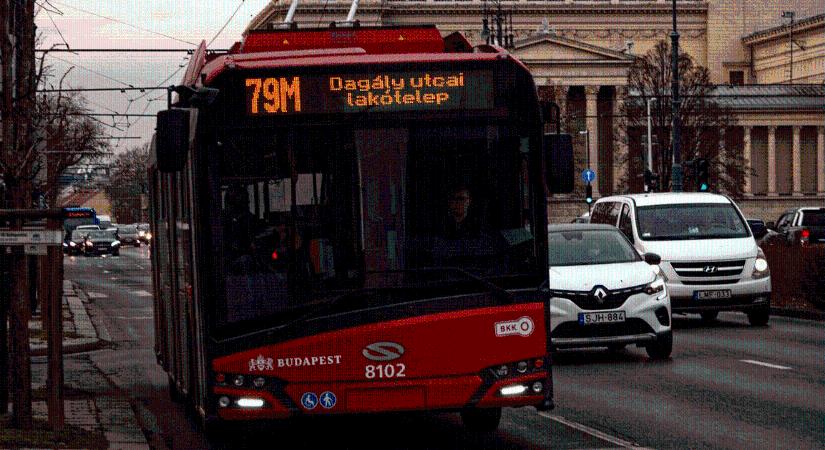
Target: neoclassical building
770,71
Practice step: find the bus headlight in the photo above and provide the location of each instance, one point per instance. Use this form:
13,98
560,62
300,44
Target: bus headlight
515,389
250,402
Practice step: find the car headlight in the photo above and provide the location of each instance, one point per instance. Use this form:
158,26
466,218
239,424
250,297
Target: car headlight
148,235
73,244
656,287
141,233
89,244
115,243
760,266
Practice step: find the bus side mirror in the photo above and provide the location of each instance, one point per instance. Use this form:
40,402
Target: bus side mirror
652,258
172,138
558,157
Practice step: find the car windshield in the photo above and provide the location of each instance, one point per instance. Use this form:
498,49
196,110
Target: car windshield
98,234
578,248
813,218
690,221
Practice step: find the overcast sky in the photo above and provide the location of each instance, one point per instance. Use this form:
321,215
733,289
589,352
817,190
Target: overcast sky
97,24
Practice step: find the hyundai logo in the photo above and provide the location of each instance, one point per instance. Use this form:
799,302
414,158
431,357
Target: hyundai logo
383,351
710,269
600,293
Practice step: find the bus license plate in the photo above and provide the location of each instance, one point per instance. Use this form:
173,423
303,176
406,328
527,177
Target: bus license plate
593,318
711,295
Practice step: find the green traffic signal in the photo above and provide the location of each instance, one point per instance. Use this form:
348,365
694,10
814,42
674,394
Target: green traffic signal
588,194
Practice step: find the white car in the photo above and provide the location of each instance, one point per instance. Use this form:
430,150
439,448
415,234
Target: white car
709,254
603,293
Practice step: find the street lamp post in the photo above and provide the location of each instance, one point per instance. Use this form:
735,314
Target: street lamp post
649,137
676,169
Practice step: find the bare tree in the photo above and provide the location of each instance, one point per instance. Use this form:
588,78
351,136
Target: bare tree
66,136
704,121
128,182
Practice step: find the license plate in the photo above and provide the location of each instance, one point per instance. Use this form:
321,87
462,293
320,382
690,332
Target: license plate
711,295
592,318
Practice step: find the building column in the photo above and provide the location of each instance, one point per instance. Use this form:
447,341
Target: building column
619,140
772,160
796,168
748,154
591,95
820,160
560,95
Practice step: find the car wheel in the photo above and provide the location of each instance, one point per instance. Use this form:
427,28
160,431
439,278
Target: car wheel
661,348
116,253
616,347
759,317
709,316
481,419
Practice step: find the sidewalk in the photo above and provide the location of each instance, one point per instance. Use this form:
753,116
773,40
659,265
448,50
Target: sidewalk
93,406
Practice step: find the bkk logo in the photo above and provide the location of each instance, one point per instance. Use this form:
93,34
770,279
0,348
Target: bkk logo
522,327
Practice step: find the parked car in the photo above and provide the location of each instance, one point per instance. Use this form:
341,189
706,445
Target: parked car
801,226
75,245
144,234
101,242
128,234
603,294
710,257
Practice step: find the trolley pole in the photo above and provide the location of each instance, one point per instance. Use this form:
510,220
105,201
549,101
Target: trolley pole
676,169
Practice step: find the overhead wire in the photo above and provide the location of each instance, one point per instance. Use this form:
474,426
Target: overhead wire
125,23
226,24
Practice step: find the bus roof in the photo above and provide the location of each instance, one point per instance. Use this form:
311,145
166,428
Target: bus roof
336,46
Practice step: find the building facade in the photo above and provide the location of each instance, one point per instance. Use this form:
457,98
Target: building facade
768,67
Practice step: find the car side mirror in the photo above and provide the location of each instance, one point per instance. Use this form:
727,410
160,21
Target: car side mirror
771,226
760,233
652,259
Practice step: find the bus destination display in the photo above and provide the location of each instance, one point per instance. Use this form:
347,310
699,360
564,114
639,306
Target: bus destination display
375,92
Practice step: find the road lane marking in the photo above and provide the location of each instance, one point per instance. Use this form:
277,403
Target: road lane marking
106,271
760,363
140,267
591,431
142,293
96,295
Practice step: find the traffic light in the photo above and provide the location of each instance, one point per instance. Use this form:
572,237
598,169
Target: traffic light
588,197
702,175
651,181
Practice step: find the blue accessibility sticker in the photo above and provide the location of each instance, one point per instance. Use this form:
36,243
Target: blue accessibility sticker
309,400
328,400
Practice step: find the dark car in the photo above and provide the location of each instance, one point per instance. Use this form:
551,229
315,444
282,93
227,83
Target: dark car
801,226
759,229
75,244
129,234
101,242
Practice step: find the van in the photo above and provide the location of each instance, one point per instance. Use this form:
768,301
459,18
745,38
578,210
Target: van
709,255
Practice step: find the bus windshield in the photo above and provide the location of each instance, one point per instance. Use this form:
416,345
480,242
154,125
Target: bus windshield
308,213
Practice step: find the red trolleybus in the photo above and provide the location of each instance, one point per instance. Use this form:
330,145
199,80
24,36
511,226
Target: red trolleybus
350,221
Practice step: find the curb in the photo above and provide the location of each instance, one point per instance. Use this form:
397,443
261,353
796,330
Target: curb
92,337
798,314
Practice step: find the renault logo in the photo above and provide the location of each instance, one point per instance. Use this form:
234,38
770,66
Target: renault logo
710,269
383,351
600,293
